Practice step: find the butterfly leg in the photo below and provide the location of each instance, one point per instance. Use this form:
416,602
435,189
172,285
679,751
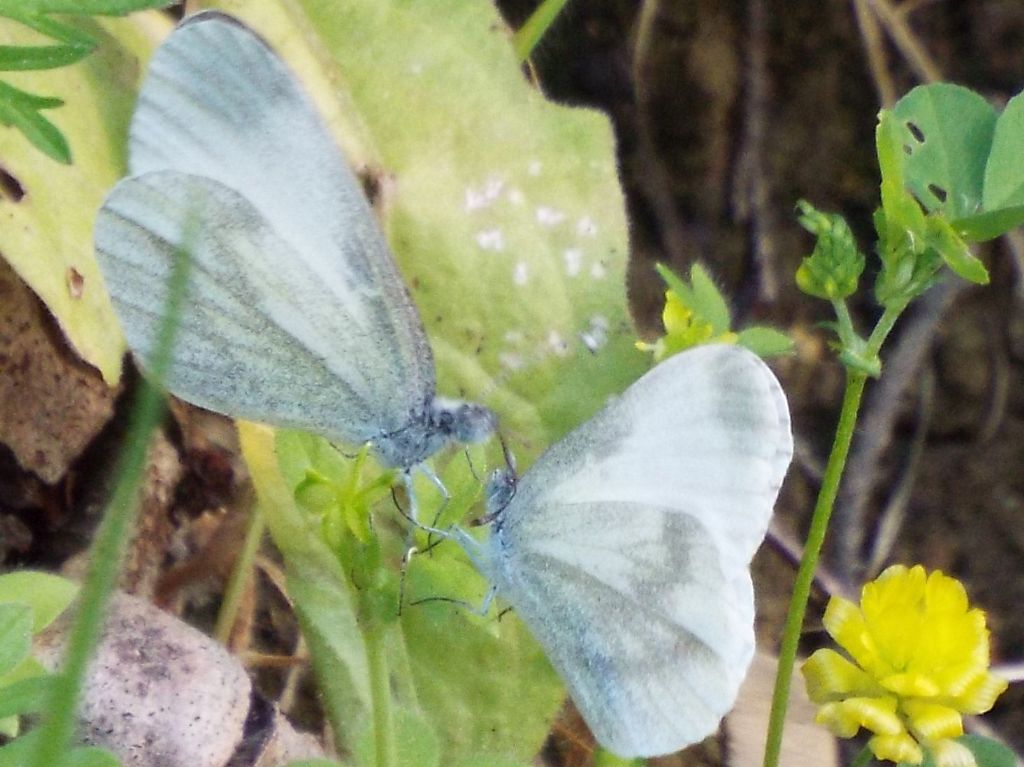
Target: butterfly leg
445,498
481,610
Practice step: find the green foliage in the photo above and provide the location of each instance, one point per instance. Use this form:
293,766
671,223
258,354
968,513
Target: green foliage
963,158
19,752
913,245
948,162
46,594
29,602
604,758
416,743
347,598
833,269
988,752
15,635
697,313
23,110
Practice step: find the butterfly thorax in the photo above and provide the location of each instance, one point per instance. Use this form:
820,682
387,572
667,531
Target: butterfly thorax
430,427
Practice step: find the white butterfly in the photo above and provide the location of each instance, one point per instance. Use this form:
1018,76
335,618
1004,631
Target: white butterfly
626,548
296,314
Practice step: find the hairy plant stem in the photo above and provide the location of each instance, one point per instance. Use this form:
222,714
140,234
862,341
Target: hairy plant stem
855,381
856,378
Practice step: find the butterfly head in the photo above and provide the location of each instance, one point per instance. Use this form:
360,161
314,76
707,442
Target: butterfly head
464,422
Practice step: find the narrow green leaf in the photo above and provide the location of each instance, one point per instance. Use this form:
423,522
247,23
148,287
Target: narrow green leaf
88,7
28,57
988,752
765,341
21,110
948,132
675,283
531,33
45,25
26,696
15,634
989,225
48,595
708,302
1004,172
901,210
701,296
941,236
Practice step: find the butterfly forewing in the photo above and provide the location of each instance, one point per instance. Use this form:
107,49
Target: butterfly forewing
217,103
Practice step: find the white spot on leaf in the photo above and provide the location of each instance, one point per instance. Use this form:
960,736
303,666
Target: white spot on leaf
521,273
510,360
557,343
586,227
549,216
485,195
573,261
490,239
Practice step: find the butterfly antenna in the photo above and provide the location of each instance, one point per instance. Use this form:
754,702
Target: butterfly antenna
510,458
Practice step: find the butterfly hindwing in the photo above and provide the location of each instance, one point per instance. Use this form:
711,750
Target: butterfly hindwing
247,341
626,547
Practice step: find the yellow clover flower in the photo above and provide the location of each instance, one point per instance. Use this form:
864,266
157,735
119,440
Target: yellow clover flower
683,329
919,661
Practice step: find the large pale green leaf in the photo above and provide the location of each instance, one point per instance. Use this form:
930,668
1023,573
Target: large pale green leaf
47,209
948,132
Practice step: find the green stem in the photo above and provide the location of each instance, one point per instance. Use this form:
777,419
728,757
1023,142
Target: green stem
884,327
111,539
527,36
241,572
863,759
380,693
855,381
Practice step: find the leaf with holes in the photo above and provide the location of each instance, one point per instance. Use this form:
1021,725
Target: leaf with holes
948,133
